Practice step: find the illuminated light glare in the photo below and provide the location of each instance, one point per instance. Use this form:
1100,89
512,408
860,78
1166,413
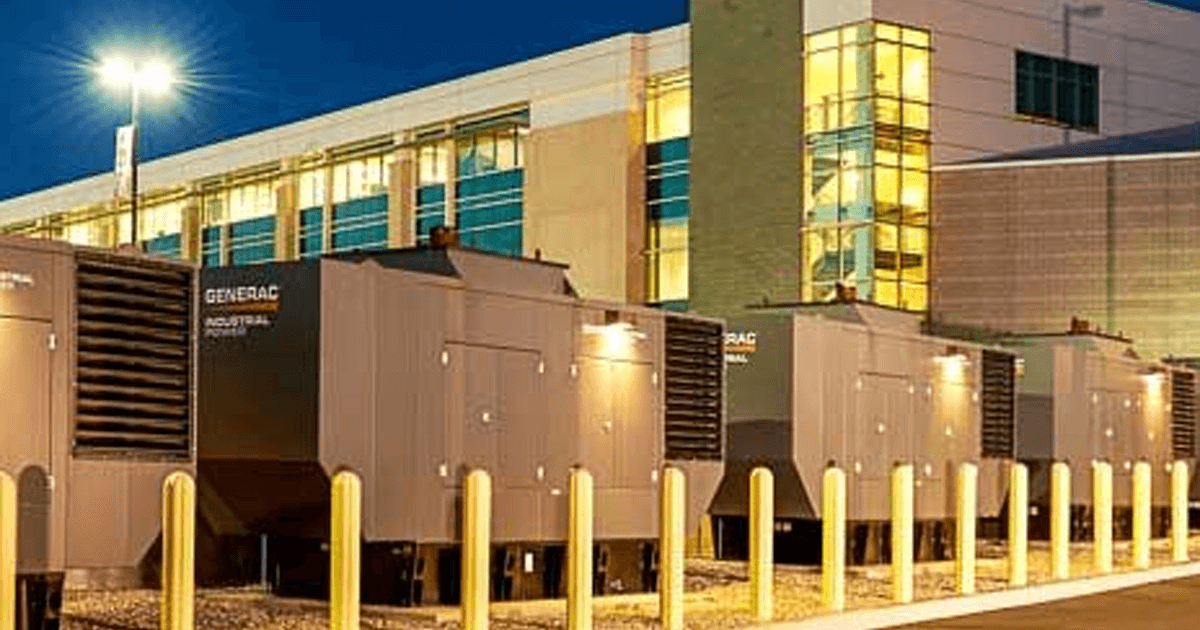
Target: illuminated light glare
155,77
116,72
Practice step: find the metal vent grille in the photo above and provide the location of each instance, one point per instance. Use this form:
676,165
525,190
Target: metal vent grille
693,387
997,403
135,357
1183,414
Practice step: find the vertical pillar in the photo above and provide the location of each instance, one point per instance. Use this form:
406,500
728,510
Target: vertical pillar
902,533
579,552
451,162
179,548
1179,511
476,550
327,211
344,552
1141,515
402,196
1102,509
762,543
1060,521
671,541
964,556
1018,525
8,552
833,544
287,207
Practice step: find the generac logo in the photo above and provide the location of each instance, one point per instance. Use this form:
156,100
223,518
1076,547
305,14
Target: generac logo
242,294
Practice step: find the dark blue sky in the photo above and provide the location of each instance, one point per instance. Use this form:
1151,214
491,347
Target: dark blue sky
256,64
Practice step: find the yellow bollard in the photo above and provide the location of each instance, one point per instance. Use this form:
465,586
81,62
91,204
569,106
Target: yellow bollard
671,541
579,552
762,543
833,544
964,556
1102,511
178,552
1141,515
1018,525
902,533
476,550
1179,511
344,551
8,552
1060,521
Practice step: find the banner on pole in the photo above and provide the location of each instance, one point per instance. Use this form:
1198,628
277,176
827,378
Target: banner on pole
124,161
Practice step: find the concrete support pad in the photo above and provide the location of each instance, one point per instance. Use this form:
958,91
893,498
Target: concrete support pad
901,615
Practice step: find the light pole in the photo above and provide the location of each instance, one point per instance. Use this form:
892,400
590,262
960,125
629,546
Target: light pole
1083,11
153,76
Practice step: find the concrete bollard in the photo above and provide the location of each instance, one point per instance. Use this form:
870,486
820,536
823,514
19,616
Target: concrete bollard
1102,513
1141,515
762,543
1018,525
1179,511
8,552
345,557
178,552
671,542
579,552
833,543
902,533
1060,521
476,550
964,556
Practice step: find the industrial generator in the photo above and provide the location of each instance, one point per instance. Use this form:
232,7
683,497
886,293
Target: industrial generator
1086,396
412,367
860,387
97,352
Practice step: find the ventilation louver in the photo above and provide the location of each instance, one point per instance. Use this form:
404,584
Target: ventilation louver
693,388
997,404
1183,414
135,357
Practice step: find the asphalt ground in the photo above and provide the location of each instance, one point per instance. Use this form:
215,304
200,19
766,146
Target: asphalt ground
1162,606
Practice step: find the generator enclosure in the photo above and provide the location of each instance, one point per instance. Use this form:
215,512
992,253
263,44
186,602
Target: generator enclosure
860,387
1086,396
413,367
97,351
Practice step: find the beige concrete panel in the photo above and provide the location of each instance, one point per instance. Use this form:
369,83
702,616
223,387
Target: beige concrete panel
966,129
402,217
819,15
287,220
976,95
578,206
961,54
668,49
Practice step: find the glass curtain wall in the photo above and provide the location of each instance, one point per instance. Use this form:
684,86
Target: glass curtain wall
360,204
866,165
489,199
668,185
311,212
431,189
160,226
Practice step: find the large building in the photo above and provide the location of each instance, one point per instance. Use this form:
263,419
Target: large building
1107,231
765,150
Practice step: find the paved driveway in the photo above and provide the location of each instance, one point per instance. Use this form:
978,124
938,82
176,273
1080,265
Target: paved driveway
1162,606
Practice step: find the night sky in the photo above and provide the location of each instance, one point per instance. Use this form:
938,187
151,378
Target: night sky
256,64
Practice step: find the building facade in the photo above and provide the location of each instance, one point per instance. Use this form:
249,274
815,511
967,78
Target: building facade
1107,232
685,167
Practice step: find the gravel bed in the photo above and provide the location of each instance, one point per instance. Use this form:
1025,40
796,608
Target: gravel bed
717,597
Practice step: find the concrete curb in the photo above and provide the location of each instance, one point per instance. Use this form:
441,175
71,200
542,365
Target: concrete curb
901,615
